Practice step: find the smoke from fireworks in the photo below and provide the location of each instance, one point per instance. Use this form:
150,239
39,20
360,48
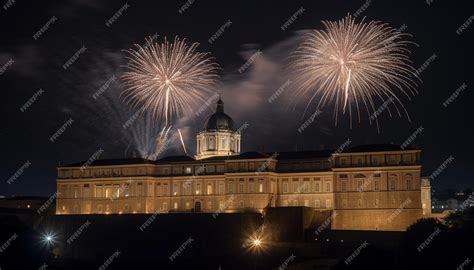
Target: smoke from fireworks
354,65
168,79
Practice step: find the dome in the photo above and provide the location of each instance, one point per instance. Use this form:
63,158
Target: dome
219,120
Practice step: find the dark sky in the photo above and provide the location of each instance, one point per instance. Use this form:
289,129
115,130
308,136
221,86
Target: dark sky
67,94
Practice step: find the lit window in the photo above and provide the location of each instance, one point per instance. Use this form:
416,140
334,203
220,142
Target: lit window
175,205
188,170
260,187
209,188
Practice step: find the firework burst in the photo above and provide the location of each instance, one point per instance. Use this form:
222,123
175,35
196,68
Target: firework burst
168,79
354,65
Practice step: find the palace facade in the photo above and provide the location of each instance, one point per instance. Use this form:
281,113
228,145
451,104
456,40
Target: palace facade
368,187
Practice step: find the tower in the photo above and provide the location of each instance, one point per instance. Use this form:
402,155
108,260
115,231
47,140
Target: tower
217,137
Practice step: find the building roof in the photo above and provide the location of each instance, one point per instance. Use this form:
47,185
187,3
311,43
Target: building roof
310,154
219,120
172,159
280,156
106,162
375,148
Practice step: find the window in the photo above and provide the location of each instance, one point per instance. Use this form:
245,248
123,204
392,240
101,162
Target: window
198,188
126,190
285,186
376,185
306,185
360,202
107,193
251,185
393,182
188,205
209,188
317,204
306,203
211,143
188,170
209,205
241,185
221,188
344,185
408,180
175,189
223,146
360,185
165,206
260,187
230,187
328,187
294,186
317,186
376,202
175,205
241,204
328,203
187,188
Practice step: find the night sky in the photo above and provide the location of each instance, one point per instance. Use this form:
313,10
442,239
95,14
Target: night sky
28,65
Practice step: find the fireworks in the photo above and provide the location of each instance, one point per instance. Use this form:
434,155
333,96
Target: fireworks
354,65
168,79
